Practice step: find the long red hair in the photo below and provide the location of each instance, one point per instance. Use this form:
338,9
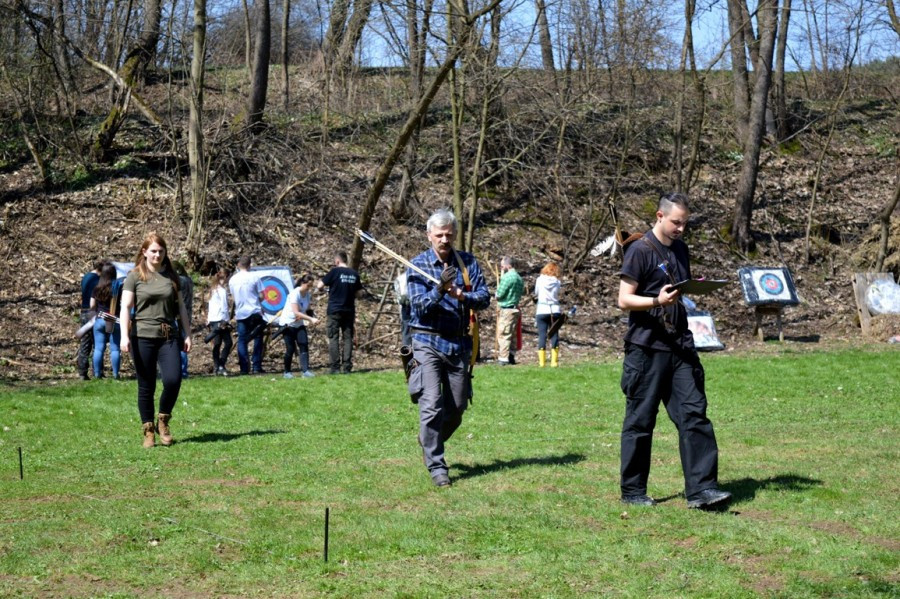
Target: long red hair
140,261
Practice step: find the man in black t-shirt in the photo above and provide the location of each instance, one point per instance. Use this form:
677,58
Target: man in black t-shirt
661,363
343,287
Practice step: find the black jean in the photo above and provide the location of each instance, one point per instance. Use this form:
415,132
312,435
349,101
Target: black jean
147,352
339,329
223,338
678,380
296,340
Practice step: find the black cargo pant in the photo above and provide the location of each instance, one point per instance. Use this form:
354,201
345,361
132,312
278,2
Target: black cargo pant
339,329
676,379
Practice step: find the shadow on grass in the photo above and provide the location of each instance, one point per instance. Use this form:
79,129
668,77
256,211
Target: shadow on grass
745,489
225,437
467,471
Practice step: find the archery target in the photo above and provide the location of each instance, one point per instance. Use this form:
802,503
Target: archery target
277,282
274,294
768,286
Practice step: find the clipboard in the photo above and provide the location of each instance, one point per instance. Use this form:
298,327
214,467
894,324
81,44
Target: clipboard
699,286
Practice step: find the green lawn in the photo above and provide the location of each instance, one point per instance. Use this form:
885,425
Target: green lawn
808,445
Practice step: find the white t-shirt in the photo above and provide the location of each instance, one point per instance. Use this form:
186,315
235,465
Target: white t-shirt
287,315
246,287
547,290
218,305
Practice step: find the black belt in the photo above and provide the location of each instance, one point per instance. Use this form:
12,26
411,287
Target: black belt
444,334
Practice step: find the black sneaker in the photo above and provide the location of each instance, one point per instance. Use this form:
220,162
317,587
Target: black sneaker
644,500
709,499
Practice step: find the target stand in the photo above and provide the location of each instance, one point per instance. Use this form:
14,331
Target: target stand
768,290
776,310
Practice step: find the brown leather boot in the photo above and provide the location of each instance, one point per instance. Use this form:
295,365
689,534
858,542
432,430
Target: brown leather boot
149,435
162,425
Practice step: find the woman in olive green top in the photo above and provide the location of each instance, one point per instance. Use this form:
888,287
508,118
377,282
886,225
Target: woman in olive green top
152,290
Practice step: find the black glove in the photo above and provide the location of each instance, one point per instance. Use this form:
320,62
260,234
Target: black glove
448,276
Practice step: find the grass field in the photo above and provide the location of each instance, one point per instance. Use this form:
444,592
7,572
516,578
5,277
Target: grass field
236,508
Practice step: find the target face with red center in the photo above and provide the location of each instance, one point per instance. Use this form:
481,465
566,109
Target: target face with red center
275,294
771,284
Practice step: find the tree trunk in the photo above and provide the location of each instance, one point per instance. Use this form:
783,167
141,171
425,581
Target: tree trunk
544,37
457,110
892,13
885,218
196,154
678,143
358,20
260,79
416,38
285,28
133,69
780,97
739,69
61,55
248,41
767,16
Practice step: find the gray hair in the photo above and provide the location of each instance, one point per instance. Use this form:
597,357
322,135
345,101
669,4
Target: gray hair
441,218
508,261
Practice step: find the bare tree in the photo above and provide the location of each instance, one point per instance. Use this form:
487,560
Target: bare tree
248,40
767,16
196,154
779,95
352,36
885,220
416,34
260,78
544,38
468,24
892,14
741,81
133,68
285,28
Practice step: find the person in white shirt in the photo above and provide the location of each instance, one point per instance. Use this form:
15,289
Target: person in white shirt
546,288
296,316
217,317
247,293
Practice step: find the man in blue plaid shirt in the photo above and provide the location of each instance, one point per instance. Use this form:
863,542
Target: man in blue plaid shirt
442,346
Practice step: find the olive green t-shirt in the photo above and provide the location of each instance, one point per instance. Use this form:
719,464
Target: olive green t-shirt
155,303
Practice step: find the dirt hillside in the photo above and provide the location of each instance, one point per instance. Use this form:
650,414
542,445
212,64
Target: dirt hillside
49,239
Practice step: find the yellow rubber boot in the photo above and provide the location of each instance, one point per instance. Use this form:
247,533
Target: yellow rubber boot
554,357
542,357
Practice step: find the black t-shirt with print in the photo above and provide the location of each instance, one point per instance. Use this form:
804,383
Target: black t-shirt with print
648,266
343,283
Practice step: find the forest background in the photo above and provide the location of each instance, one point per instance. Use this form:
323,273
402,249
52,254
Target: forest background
275,130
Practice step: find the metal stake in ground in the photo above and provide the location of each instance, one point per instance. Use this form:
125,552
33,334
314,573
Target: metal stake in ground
326,535
21,470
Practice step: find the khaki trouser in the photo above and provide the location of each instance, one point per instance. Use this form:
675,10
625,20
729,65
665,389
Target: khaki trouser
506,331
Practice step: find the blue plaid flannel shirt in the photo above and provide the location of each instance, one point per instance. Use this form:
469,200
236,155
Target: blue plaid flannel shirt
443,314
